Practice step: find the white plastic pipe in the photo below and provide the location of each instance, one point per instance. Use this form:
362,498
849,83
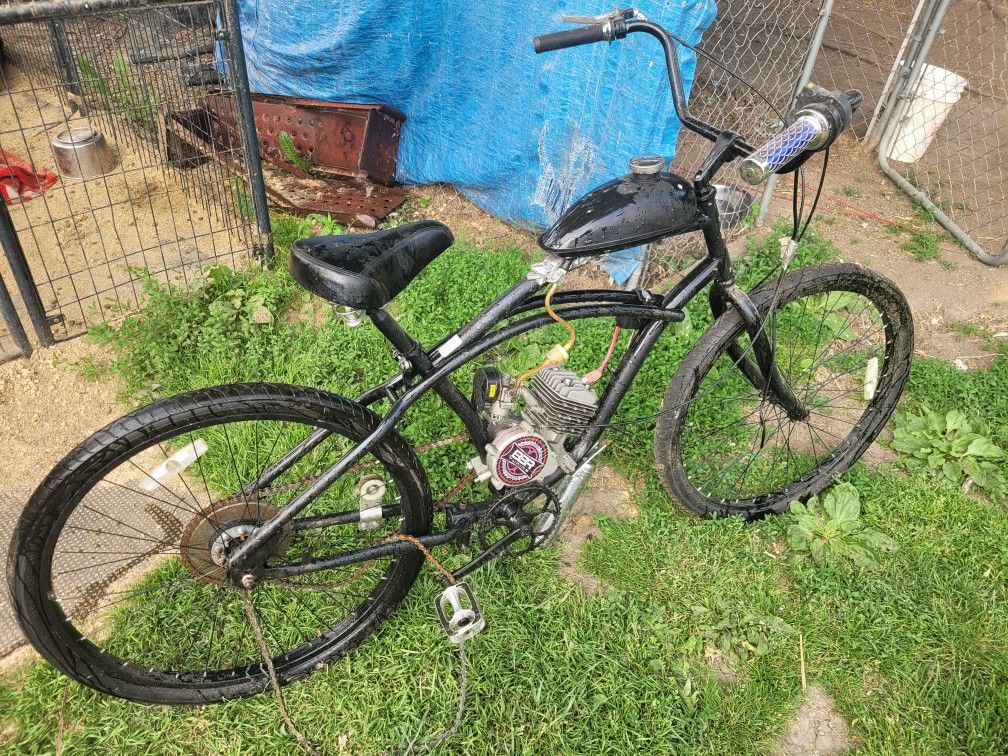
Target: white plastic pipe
174,465
937,92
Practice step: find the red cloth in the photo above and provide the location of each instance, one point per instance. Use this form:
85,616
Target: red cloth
20,181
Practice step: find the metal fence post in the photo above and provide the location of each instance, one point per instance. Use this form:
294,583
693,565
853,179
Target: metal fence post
235,50
803,79
64,58
23,278
891,89
10,317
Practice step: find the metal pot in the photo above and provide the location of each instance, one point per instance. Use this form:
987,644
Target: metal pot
733,205
82,153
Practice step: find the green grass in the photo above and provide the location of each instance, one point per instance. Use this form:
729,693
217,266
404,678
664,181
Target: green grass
915,651
964,328
924,245
941,386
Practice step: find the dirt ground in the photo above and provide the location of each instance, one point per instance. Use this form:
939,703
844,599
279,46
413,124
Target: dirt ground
858,206
817,728
46,407
81,237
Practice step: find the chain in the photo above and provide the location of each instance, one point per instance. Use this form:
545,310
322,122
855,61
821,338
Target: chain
456,489
445,573
435,740
267,658
365,566
253,619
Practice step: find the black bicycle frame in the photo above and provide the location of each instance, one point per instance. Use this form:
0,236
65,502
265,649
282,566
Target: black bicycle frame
431,369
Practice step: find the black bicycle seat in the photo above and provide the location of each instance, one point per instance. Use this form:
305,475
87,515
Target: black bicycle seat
365,271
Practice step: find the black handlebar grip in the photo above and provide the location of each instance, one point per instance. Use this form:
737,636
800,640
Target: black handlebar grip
584,35
853,98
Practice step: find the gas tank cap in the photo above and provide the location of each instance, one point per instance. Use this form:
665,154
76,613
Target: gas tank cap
646,165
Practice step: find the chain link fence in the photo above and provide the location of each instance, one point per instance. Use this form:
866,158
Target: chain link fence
945,141
773,45
935,78
89,105
764,43
84,220
861,40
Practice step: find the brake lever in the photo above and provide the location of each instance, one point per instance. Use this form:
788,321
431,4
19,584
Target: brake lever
619,14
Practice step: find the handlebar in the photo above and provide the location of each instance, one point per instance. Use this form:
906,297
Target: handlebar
814,128
605,28
619,24
804,134
585,35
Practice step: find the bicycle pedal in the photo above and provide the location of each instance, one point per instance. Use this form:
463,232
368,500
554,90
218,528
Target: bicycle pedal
460,614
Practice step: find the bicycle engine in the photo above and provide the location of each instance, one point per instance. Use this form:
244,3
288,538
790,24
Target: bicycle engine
530,424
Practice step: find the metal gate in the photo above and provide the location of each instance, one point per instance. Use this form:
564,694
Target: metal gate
79,249
944,140
778,46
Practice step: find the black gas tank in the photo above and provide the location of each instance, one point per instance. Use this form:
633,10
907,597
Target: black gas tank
634,209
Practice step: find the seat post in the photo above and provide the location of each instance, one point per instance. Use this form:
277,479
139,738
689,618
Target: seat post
397,336
420,362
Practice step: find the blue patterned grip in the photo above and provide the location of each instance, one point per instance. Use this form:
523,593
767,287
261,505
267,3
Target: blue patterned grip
807,131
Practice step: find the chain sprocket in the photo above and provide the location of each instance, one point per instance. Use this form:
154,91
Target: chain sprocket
542,508
209,535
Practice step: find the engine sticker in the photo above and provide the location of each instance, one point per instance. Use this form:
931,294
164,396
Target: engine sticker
522,460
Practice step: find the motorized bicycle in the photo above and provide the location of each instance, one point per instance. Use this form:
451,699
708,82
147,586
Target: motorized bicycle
314,508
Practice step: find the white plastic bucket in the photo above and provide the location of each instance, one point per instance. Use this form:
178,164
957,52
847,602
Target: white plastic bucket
937,91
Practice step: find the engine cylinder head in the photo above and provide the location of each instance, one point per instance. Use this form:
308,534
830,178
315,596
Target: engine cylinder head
560,399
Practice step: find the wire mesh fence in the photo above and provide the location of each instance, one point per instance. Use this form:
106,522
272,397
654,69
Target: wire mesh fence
762,43
86,115
861,40
946,140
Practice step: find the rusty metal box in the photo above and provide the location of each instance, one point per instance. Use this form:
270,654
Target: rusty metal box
339,139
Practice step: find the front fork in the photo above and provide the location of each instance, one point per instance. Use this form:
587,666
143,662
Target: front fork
763,374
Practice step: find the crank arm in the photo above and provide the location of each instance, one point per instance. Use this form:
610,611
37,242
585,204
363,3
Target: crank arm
491,552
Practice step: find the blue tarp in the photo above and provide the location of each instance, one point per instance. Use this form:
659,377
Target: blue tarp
522,135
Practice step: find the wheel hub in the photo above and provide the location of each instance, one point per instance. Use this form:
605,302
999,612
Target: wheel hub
210,537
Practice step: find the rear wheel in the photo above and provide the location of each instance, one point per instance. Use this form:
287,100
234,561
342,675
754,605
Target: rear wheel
115,567
842,336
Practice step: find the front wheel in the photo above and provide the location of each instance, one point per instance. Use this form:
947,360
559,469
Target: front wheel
842,339
115,567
